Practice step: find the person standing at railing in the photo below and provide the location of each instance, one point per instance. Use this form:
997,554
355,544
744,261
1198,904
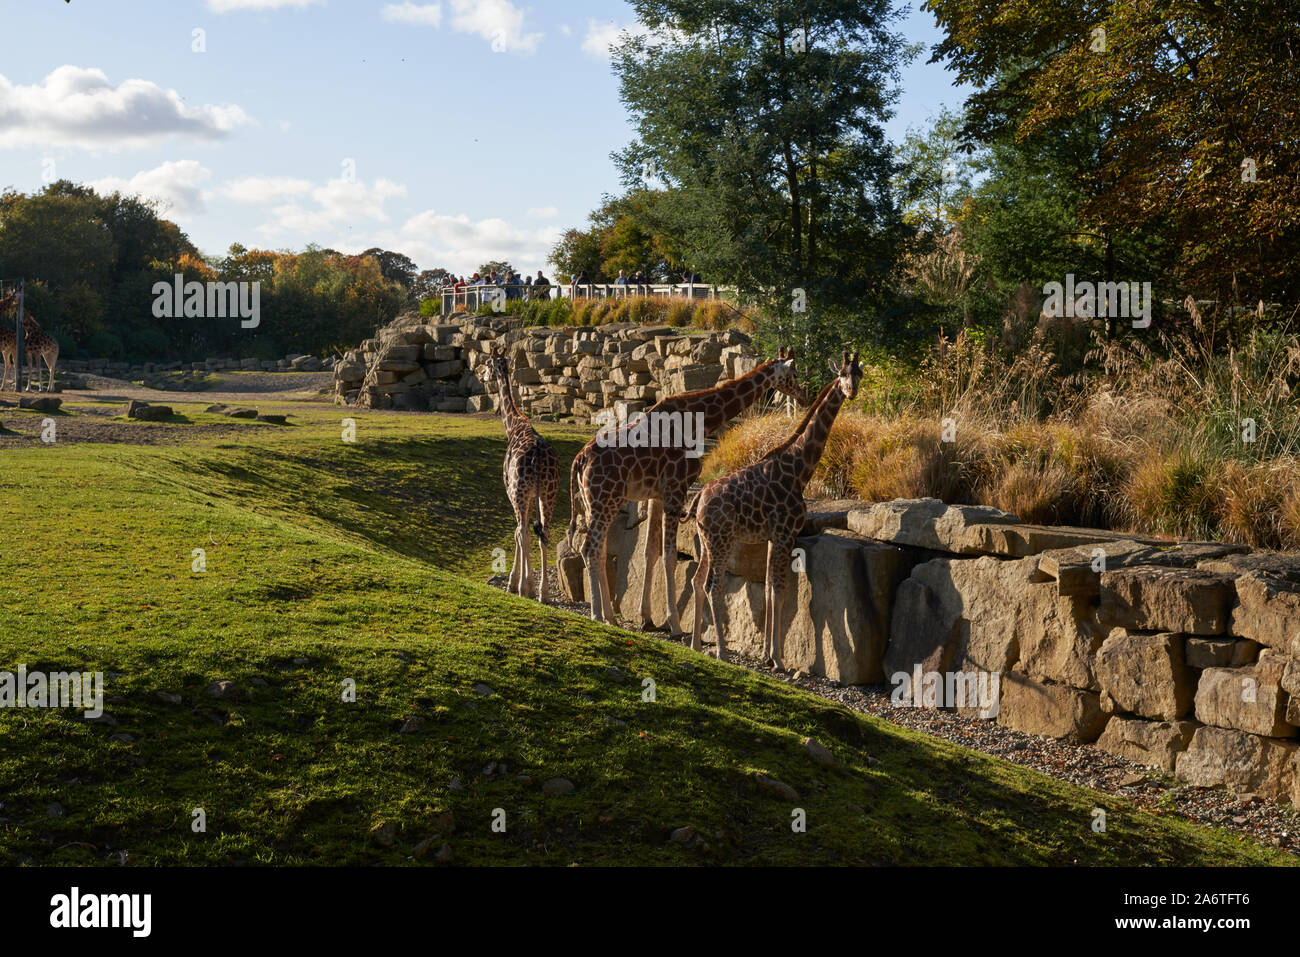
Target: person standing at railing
578,281
541,286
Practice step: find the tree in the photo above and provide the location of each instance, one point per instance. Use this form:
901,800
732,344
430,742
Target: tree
936,174
394,266
1193,108
760,124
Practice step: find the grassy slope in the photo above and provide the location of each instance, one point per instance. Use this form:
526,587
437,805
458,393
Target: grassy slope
352,557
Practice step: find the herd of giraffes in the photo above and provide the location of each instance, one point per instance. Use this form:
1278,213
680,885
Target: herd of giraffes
37,344
762,502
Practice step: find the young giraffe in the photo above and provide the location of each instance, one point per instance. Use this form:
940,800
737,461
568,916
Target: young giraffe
36,344
764,502
608,472
532,476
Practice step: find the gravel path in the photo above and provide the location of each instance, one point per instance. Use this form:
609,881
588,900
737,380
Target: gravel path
1277,825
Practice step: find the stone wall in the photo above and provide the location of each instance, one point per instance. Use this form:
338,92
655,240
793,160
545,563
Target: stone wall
1181,656
568,372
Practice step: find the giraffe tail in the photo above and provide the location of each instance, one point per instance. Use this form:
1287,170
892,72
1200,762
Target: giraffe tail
540,531
689,511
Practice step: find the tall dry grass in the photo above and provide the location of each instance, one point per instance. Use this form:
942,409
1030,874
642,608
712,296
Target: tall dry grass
1147,437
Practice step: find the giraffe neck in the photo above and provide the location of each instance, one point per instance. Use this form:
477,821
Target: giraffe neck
730,399
511,414
806,449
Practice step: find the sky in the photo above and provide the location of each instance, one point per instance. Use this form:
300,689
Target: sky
456,131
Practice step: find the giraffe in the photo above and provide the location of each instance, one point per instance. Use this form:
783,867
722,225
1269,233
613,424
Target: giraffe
764,502
37,344
608,472
8,344
531,474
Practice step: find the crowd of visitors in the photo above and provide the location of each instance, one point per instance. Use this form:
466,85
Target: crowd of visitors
537,287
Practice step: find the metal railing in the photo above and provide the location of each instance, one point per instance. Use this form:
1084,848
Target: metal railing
472,298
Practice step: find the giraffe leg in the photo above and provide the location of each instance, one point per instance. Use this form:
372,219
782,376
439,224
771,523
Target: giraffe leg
593,555
545,510
671,509
721,562
699,590
650,556
778,568
516,565
526,573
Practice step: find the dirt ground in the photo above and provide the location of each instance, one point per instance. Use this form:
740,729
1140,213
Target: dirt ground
107,398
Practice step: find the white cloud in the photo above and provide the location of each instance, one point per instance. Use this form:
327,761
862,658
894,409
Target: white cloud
497,21
421,14
79,107
543,212
462,245
338,202
176,184
263,190
229,6
602,37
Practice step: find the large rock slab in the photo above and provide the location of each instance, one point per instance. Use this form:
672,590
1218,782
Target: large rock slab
1057,711
1078,570
1219,652
1145,674
986,614
925,523
1156,744
1020,540
1284,565
1239,761
1267,610
1184,600
1246,699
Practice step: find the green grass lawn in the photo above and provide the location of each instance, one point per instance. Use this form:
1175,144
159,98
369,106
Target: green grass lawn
361,565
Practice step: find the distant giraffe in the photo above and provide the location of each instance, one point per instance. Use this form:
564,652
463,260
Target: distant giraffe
8,344
532,476
764,502
37,344
609,471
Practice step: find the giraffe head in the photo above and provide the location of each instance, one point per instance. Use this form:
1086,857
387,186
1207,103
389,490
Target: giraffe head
783,377
497,367
849,374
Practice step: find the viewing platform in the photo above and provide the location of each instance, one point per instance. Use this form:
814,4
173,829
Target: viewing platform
470,298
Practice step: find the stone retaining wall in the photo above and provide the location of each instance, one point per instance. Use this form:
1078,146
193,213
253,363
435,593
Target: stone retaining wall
1182,656
573,371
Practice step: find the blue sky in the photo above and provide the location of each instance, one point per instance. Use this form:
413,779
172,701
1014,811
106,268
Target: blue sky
454,131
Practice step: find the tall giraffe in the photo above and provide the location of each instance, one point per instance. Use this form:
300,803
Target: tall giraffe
609,471
764,502
36,343
531,474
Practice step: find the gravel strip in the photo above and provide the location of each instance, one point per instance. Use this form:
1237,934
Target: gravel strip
1276,825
